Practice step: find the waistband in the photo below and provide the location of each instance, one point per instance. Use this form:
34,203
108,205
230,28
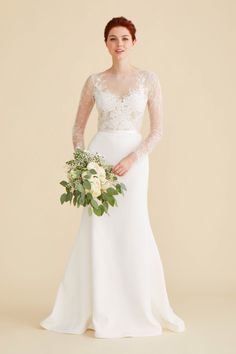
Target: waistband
119,131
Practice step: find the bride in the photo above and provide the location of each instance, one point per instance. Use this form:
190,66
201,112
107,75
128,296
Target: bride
114,282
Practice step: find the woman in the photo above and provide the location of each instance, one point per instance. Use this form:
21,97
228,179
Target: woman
114,281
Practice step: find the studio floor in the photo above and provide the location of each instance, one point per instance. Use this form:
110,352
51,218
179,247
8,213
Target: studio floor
210,329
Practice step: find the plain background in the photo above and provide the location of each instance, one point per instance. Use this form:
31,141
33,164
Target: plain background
48,49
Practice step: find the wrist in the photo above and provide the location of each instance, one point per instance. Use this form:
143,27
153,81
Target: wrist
132,156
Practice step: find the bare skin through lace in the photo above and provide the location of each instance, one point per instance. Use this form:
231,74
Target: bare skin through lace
121,105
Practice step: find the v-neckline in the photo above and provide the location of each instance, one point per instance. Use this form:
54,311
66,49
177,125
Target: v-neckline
131,91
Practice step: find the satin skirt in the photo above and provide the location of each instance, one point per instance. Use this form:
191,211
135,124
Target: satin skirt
114,281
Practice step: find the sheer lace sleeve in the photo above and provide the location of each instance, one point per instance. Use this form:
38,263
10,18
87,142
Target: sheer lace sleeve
86,103
155,109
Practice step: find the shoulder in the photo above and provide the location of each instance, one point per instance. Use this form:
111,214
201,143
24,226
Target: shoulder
151,75
150,78
92,78
152,81
89,80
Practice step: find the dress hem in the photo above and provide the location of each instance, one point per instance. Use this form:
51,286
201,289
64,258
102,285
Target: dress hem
135,334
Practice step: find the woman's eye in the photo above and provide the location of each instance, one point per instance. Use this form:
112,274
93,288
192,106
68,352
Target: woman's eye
126,39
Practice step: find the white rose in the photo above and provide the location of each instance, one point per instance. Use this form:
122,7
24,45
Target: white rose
93,165
102,178
106,184
99,169
95,186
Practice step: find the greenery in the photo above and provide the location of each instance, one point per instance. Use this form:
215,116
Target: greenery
91,182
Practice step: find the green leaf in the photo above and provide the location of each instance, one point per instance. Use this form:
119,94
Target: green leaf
111,190
105,205
94,203
90,210
123,186
105,196
87,199
64,183
78,201
82,197
97,211
81,188
111,200
63,198
87,184
92,171
102,209
118,188
89,196
69,196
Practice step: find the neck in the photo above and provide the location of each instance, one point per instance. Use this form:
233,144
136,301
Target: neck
121,67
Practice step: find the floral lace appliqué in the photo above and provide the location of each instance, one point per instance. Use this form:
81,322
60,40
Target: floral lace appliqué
118,111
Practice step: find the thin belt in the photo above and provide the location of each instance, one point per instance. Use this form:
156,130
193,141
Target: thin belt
117,131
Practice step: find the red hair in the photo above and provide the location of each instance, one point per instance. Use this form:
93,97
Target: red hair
120,21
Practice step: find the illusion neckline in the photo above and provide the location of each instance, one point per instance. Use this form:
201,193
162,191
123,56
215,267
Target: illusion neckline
131,91
135,71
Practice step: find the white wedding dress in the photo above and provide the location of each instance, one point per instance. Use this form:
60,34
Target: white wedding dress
114,281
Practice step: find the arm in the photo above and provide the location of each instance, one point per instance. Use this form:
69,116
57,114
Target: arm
85,106
155,109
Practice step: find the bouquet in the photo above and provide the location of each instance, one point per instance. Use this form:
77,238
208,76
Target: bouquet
91,182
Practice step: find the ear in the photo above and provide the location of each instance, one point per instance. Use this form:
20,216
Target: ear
134,41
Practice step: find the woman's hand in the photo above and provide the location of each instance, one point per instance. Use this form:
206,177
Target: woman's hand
124,165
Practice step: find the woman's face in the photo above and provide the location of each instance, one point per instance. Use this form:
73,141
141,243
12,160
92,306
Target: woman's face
119,42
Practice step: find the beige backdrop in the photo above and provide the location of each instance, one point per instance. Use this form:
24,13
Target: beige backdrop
48,49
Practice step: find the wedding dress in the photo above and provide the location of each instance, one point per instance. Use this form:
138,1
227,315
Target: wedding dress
114,280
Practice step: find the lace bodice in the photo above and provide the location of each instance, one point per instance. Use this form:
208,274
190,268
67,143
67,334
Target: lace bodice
121,105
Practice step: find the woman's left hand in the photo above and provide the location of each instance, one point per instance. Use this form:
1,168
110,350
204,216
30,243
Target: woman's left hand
124,165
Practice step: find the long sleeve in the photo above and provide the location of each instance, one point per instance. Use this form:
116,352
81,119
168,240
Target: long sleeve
155,109
86,103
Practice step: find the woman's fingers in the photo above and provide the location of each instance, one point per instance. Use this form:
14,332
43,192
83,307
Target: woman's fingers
116,168
120,169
